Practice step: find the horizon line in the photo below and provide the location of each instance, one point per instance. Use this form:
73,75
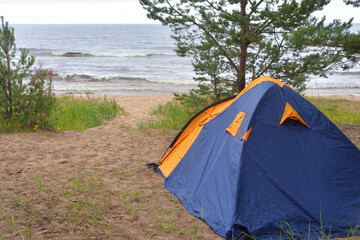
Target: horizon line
105,23
85,23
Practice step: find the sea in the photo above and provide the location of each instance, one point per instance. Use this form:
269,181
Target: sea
132,59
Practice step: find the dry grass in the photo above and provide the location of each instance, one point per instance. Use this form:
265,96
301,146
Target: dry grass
91,184
83,198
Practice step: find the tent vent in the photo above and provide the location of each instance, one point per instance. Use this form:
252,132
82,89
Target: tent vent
246,135
289,112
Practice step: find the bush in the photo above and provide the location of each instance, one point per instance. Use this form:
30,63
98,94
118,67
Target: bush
35,101
26,98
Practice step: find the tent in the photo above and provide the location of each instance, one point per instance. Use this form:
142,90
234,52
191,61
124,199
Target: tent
265,162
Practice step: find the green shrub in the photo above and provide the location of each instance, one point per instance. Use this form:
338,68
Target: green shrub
26,98
35,101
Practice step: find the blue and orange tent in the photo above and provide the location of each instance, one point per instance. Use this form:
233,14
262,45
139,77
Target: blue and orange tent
264,162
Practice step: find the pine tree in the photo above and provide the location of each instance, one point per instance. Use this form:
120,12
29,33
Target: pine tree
12,71
355,3
279,38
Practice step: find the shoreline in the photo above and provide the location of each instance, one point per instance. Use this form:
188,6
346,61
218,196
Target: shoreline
168,90
169,96
81,85
84,84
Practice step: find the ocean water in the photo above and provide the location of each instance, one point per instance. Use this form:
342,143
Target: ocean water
131,60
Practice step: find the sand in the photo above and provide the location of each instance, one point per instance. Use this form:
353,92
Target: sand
93,184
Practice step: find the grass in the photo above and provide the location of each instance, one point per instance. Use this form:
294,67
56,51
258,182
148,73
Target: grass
73,113
176,113
165,223
82,113
339,111
172,115
289,233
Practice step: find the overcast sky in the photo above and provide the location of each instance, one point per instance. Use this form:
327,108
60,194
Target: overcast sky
113,11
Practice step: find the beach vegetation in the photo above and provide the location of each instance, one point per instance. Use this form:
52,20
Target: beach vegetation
74,113
249,39
26,94
69,113
339,111
172,115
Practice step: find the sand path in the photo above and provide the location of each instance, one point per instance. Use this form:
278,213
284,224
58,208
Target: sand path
114,155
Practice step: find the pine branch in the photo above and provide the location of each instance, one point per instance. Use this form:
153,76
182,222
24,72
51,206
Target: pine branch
257,5
217,9
272,60
207,33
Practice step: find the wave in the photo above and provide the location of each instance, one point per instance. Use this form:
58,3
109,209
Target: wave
172,81
351,72
90,78
71,54
85,54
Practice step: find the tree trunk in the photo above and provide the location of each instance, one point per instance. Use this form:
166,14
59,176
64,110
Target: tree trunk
217,92
3,86
242,68
243,50
9,87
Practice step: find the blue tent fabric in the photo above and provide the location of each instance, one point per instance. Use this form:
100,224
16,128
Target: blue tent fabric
283,176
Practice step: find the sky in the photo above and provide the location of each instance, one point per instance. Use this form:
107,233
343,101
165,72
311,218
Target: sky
114,11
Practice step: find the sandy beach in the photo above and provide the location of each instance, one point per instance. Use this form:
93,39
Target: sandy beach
44,167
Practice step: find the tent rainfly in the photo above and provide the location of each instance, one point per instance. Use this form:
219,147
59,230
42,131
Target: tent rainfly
263,162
